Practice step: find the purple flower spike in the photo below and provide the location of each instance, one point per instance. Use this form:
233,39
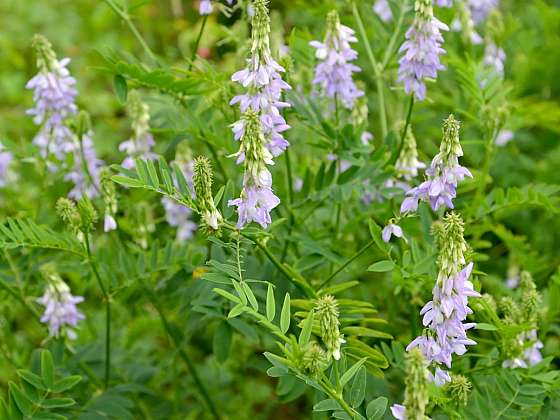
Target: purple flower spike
421,50
60,309
444,173
333,74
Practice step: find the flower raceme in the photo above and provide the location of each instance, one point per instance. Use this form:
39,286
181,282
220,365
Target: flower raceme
61,313
257,198
444,173
333,74
260,129
444,315
421,50
264,85
54,93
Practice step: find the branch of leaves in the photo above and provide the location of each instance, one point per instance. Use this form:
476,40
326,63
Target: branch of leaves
159,177
356,322
39,395
15,233
163,80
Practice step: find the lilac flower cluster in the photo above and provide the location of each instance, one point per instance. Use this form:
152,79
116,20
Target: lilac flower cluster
531,354
494,57
444,3
382,9
60,308
53,95
260,129
333,74
443,174
257,198
206,7
141,143
444,315
265,87
421,49
480,9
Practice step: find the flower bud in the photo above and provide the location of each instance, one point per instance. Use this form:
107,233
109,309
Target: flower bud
459,389
68,212
88,215
326,311
45,53
109,193
202,179
416,394
314,360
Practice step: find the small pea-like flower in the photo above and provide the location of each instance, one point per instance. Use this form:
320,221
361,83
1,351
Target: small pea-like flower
54,93
444,3
391,229
382,9
421,50
206,7
504,137
141,143
333,74
61,313
326,311
444,173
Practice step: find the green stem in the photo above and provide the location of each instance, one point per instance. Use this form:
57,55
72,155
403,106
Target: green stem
336,396
126,17
489,156
377,69
405,128
177,341
290,202
394,37
107,312
197,43
347,263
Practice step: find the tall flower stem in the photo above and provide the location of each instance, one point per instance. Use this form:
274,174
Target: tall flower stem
290,187
347,263
197,43
128,20
389,51
377,69
405,128
327,387
107,312
177,341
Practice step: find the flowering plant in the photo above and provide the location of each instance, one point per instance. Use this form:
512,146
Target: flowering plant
254,209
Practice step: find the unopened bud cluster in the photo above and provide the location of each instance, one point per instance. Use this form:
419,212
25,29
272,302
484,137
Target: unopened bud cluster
326,311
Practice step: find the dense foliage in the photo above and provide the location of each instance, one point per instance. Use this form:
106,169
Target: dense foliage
239,209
